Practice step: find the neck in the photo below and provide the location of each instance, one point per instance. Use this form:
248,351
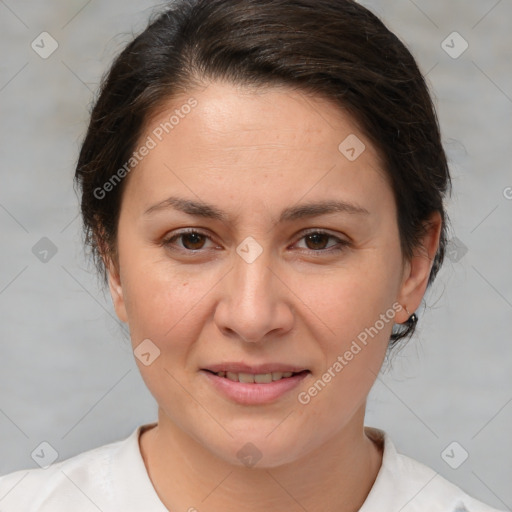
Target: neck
337,476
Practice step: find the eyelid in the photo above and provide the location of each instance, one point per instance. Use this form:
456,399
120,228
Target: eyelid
322,232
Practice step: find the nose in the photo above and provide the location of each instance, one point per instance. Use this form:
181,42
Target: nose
256,303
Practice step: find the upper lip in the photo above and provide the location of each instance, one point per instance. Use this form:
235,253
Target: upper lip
254,368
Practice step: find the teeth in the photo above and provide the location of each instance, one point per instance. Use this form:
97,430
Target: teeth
260,378
246,377
263,378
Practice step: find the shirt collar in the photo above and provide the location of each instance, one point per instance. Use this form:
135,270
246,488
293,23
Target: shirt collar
134,490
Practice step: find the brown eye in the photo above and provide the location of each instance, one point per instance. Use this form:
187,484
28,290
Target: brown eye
318,240
190,241
193,241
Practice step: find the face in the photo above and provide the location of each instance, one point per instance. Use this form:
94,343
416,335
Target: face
261,277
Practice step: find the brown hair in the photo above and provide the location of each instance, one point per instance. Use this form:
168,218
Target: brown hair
336,49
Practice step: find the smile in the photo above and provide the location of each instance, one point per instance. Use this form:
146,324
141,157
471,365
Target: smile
254,389
259,378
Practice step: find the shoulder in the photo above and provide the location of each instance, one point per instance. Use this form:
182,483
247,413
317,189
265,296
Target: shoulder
410,486
83,483
37,488
434,492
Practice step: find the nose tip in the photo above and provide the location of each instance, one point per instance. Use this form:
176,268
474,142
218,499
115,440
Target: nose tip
254,303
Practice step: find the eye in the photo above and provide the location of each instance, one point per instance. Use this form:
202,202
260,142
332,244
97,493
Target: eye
316,242
192,240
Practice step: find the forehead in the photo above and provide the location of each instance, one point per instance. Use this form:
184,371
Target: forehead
259,140
278,115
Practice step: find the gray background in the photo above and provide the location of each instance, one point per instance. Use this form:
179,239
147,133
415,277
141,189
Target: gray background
67,374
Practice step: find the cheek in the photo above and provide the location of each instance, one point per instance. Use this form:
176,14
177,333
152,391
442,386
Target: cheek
160,300
357,306
354,298
164,308
351,363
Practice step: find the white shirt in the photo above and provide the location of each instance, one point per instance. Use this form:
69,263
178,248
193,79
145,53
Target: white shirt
113,478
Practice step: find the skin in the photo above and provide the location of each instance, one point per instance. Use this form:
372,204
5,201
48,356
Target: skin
254,152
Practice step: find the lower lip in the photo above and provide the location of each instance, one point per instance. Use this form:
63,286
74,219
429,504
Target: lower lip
253,393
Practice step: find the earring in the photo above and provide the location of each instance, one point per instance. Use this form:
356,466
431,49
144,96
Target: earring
413,319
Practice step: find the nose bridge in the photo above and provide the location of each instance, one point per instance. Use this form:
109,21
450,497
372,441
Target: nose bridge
252,273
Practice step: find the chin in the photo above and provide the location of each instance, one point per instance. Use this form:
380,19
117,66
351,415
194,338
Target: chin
259,451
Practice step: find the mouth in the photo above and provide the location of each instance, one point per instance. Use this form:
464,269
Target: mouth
256,385
256,378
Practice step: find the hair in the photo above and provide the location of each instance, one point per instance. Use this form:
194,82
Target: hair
334,49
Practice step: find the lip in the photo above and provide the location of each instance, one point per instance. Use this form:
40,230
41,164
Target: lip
239,367
254,393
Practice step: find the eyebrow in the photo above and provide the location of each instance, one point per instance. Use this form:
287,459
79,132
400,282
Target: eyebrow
201,209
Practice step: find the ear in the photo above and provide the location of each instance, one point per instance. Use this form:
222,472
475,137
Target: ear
116,291
417,270
111,263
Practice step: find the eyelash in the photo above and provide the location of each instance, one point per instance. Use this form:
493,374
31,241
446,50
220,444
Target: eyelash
341,246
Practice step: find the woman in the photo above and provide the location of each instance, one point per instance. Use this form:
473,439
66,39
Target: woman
262,186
